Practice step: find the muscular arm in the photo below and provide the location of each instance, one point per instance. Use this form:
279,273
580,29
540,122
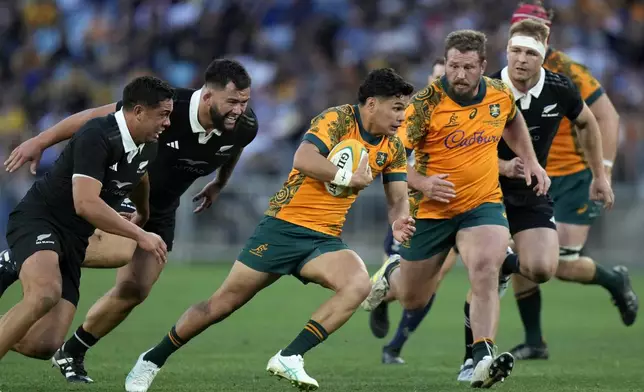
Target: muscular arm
66,128
141,197
397,200
517,136
608,121
311,163
92,208
591,139
31,149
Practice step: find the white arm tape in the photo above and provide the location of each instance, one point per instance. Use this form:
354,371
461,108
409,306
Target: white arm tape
608,163
342,177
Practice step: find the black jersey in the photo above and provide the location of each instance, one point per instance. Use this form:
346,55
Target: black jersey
102,149
187,153
543,107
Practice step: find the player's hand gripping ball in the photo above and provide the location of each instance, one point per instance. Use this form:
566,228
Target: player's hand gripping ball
345,155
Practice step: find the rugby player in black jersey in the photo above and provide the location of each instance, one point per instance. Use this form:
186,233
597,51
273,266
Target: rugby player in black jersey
209,129
48,231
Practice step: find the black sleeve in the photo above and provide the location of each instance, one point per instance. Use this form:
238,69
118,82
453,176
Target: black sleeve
249,125
91,152
119,105
571,96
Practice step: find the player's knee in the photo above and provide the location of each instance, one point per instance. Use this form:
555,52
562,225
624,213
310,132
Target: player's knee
413,300
360,285
484,274
413,297
543,273
132,292
484,269
44,297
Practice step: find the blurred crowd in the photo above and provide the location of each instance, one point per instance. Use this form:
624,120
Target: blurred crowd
61,56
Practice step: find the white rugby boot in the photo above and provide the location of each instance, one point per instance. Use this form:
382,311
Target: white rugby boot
466,371
291,368
491,370
141,376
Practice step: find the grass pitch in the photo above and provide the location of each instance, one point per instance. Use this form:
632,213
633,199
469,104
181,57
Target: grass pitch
590,348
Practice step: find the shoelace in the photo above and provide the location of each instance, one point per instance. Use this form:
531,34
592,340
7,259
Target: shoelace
146,375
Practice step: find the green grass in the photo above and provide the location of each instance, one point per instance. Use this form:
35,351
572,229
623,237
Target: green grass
590,348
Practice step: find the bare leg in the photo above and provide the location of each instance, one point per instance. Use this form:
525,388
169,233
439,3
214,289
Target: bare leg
42,287
483,250
343,272
538,252
48,333
239,287
581,269
134,282
107,250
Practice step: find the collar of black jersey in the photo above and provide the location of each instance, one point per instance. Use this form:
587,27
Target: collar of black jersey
369,138
478,98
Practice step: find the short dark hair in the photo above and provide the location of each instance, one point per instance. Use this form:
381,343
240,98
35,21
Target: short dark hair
467,41
383,82
531,28
438,61
223,71
147,91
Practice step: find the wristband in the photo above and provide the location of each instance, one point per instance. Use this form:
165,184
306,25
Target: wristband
342,177
608,163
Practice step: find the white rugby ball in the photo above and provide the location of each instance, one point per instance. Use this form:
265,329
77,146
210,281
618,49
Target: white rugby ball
345,155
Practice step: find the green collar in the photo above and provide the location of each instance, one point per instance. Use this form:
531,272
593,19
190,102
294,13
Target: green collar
478,98
369,138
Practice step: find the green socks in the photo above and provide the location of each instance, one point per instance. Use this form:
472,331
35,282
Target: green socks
312,335
162,351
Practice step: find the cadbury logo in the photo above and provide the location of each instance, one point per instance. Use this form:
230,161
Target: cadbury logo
458,139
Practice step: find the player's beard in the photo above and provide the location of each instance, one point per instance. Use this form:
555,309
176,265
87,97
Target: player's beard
468,94
216,118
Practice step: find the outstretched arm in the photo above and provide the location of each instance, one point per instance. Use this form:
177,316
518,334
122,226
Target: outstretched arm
31,149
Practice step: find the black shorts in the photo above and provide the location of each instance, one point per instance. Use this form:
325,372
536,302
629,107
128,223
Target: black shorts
162,225
161,222
28,233
528,211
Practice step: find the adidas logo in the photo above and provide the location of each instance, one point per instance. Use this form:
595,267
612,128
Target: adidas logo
174,144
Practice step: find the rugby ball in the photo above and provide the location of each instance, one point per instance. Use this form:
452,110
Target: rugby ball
345,155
